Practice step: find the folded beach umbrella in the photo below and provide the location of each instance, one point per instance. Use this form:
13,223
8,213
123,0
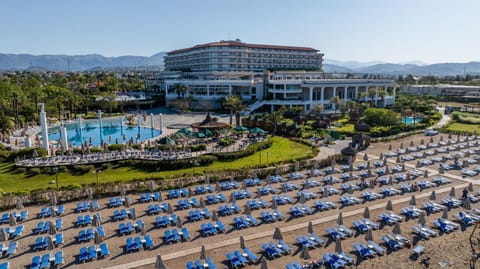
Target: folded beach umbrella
52,228
445,213
324,193
369,235
159,263
96,221
217,187
401,145
315,163
334,162
12,220
91,208
50,245
122,190
232,198
170,209
53,199
380,157
338,245
365,157
467,205
142,229
389,206
201,203
19,204
206,180
310,227
387,170
366,213
268,180
422,142
203,254
411,143
433,196
452,192
3,235
302,199
396,229
151,185
190,192
398,159
277,170
263,263
179,222
431,140
274,204
421,218
304,254
441,170
413,201
403,167
247,210
133,213
297,166
242,242
98,239
470,187
214,215
244,185
277,234
390,147
425,173
340,218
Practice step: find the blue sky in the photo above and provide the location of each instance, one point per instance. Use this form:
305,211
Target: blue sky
369,30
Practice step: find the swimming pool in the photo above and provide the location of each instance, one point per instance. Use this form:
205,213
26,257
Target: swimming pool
112,132
409,120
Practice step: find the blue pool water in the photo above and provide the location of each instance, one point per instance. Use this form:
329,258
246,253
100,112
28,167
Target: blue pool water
111,132
409,120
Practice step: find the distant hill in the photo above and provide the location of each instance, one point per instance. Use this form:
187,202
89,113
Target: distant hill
99,62
75,62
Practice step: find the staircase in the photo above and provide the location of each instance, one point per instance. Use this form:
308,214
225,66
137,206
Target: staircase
258,104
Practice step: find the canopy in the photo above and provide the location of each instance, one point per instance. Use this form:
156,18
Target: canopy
256,130
241,128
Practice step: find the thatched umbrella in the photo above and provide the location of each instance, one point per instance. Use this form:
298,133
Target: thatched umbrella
277,234
445,213
413,201
310,227
389,206
366,213
203,254
242,242
396,229
452,192
340,218
433,196
338,245
159,263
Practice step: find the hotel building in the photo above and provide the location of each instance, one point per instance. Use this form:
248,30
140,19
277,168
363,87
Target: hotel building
265,76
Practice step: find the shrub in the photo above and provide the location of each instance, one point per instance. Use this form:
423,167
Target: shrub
81,169
200,147
225,142
28,153
115,147
381,117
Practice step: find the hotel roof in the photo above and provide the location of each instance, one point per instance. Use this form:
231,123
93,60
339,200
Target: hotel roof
241,44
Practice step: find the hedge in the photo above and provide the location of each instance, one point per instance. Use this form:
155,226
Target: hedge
250,150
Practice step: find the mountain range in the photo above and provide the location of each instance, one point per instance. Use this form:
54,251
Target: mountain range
96,62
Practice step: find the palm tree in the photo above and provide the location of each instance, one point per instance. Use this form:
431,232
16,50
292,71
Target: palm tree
381,94
180,89
371,94
362,96
235,105
274,117
317,109
335,100
189,101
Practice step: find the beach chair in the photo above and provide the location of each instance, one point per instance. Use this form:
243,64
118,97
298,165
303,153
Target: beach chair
58,259
285,248
360,226
89,234
38,245
304,241
251,256
58,239
211,264
80,221
83,256
148,241
186,234
36,262
220,227
190,265
176,235
92,253
233,260
363,252
23,216
59,224
17,232
87,220
60,210
333,261
104,252
101,231
379,250
206,214
270,252
240,257
45,262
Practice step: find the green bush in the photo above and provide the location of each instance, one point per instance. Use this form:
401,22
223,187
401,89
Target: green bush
468,118
28,153
33,172
381,117
115,147
251,149
81,169
200,147
225,142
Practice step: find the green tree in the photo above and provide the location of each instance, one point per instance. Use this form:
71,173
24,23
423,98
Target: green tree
335,100
381,117
235,105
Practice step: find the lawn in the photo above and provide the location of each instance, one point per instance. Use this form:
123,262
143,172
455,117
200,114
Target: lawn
282,150
463,127
346,128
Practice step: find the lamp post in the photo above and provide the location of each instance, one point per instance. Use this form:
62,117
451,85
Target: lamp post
55,170
268,154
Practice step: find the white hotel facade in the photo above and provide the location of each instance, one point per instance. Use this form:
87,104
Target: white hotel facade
224,68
